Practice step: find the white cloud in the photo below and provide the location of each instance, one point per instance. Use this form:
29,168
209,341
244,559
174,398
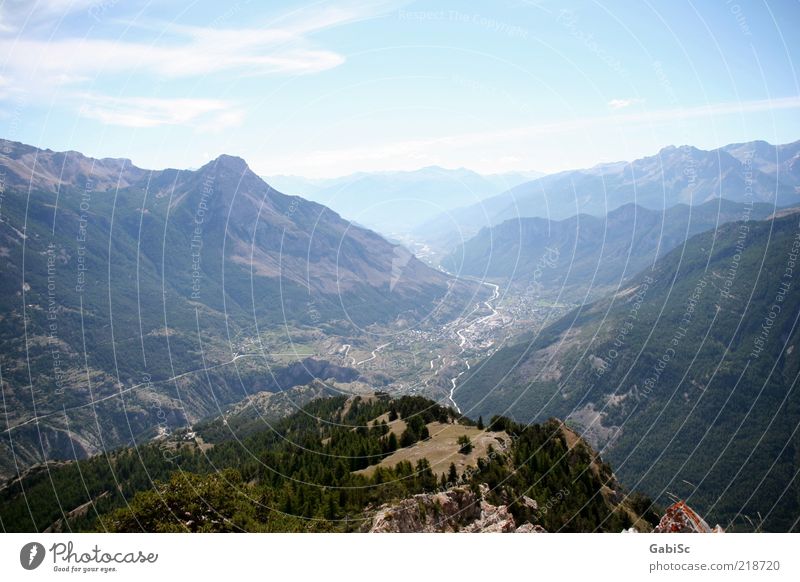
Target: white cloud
284,46
623,103
204,52
38,65
205,114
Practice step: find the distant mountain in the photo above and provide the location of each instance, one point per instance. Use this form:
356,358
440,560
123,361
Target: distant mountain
126,293
687,378
749,172
395,202
573,256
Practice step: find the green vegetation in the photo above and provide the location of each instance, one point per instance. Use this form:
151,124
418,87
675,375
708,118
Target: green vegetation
696,398
298,475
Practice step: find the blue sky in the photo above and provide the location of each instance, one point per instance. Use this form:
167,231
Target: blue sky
329,88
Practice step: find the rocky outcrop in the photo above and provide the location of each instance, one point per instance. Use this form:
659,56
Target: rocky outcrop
680,518
530,528
458,509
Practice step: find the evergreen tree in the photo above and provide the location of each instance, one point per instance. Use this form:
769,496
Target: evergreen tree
465,445
452,474
408,438
392,442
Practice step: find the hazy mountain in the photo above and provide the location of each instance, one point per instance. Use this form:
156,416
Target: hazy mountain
751,172
584,252
126,293
688,376
395,202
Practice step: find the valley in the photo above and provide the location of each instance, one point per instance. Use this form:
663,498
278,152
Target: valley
345,266
428,360
211,306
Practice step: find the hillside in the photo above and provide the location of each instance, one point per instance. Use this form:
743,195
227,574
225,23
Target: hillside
127,295
303,473
585,253
686,379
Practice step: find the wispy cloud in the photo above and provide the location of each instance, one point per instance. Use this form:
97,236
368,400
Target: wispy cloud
196,52
36,64
623,103
152,112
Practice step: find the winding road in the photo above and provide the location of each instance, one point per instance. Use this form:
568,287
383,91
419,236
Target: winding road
374,354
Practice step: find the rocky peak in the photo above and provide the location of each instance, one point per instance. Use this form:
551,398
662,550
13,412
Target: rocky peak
225,163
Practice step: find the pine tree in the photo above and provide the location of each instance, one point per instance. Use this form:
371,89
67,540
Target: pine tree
408,438
392,442
452,474
465,445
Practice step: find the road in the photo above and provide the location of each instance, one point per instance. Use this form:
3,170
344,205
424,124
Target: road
374,354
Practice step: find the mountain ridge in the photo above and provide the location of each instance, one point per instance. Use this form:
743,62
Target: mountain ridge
208,480
125,290
392,202
674,175
666,376
587,254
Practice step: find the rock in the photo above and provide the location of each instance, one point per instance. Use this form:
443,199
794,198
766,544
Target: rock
455,509
446,511
493,518
680,518
530,528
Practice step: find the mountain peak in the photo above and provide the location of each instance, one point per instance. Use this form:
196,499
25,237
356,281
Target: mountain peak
228,162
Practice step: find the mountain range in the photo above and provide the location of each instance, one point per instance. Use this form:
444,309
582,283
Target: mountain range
587,254
125,292
747,172
396,202
137,303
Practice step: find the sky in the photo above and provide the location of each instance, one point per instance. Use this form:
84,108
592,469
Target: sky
323,89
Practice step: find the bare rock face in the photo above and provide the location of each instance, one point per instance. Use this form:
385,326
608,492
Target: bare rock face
530,528
453,510
680,518
493,518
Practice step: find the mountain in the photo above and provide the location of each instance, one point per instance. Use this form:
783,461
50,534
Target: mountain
136,300
585,253
781,161
308,472
750,172
687,378
395,202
